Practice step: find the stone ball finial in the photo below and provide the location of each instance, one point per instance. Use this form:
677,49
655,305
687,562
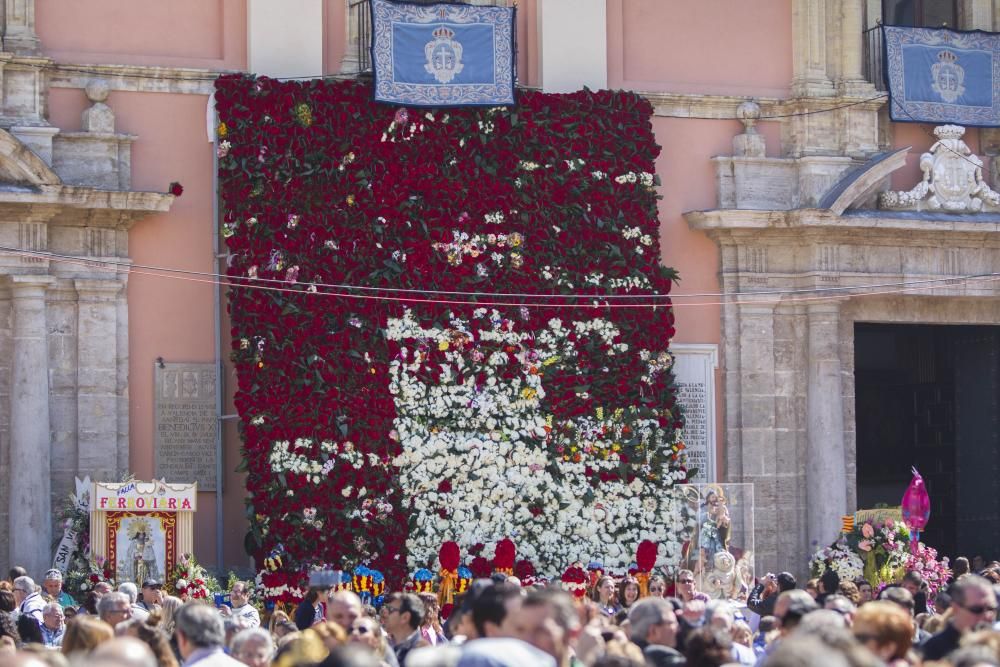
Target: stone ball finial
97,90
748,113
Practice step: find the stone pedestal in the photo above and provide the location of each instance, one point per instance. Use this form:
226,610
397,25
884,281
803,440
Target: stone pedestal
30,522
19,27
826,474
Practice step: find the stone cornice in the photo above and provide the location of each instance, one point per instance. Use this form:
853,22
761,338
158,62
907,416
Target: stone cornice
67,204
136,78
814,224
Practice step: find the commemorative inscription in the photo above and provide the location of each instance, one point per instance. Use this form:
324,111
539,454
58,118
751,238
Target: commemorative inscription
185,423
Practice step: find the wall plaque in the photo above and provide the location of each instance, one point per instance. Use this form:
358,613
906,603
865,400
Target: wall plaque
185,423
694,372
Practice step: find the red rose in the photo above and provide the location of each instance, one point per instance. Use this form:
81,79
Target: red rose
176,189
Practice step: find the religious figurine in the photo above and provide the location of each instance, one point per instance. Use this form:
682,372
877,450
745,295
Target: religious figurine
141,556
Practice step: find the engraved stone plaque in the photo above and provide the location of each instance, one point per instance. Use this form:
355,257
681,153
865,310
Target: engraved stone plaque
185,423
694,372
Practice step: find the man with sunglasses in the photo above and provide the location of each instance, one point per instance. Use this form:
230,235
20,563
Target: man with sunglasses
973,606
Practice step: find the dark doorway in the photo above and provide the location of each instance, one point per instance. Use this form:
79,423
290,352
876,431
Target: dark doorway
928,396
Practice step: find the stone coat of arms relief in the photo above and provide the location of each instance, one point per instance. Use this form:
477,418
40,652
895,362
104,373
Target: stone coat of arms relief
953,179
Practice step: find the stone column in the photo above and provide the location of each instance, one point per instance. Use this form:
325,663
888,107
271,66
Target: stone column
19,27
30,508
809,76
97,378
351,63
975,14
826,474
851,81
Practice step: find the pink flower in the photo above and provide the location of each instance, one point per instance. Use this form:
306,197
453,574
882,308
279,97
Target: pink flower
865,545
868,531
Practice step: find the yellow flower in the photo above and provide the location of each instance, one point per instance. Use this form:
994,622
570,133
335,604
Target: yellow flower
350,200
222,131
616,447
443,345
528,393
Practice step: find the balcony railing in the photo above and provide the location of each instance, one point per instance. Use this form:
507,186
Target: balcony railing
872,43
357,59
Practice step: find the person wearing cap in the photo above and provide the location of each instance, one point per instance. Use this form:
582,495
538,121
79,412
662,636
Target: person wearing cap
53,586
151,596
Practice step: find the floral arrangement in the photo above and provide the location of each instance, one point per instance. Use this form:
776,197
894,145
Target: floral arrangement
879,551
378,416
83,577
190,581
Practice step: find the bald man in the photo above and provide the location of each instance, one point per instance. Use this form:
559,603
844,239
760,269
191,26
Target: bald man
343,608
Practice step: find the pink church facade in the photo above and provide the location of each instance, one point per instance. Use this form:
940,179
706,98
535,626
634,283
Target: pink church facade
742,212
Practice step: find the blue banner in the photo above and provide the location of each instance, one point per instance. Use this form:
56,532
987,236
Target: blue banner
936,75
443,54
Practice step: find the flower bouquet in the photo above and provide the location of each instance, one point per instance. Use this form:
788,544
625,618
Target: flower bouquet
190,581
95,570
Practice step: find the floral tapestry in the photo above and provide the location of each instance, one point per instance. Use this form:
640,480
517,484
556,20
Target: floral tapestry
447,325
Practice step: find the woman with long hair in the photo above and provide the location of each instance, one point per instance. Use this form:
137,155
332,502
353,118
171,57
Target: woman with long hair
628,592
604,596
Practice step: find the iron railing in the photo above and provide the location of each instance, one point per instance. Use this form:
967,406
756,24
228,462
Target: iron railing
872,43
360,16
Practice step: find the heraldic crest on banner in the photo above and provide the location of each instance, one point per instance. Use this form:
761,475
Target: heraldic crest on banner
442,54
938,75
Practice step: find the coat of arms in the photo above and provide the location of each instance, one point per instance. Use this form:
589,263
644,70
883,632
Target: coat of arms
444,55
949,77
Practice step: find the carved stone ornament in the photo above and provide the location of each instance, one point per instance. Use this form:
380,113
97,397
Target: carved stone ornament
953,179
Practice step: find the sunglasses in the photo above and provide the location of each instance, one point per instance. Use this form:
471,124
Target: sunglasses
360,630
979,608
655,590
392,609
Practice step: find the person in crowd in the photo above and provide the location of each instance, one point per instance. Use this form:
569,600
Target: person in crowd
405,615
493,608
978,564
7,601
277,617
29,601
84,633
15,572
886,630
767,630
763,596
89,605
130,589
842,606
708,647
973,604
829,584
548,621
864,590
114,608
604,596
201,636
722,616
942,602
153,636
901,597
687,587
241,608
343,608
283,630
913,581
692,617
53,625
123,652
790,607
30,631
959,567
657,586
653,626
743,635
312,609
812,588
232,626
431,630
151,595
850,591
53,585
253,647
10,638
628,592
366,631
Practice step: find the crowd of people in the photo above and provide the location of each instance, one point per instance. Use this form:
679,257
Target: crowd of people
498,622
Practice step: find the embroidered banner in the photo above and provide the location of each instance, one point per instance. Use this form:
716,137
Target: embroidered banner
442,54
936,75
